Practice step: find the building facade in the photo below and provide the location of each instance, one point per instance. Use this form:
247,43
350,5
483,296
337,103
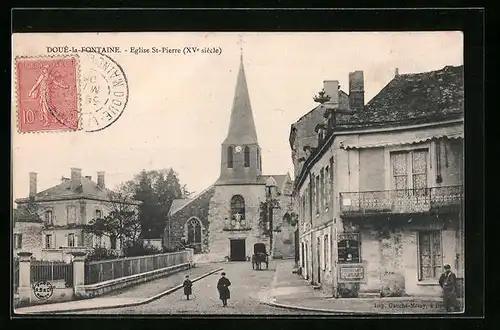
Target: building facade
380,198
226,220
50,223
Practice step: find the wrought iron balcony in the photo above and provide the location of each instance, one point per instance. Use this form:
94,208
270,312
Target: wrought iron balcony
400,201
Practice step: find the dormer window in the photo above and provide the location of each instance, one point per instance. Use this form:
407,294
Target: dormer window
320,136
98,214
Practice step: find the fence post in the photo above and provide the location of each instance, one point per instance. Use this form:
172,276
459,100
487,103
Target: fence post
79,273
24,277
190,253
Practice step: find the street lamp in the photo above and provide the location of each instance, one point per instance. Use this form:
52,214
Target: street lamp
271,187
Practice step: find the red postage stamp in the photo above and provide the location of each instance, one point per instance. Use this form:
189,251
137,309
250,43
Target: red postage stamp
47,94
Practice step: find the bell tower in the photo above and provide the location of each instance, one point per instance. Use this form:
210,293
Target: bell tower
240,157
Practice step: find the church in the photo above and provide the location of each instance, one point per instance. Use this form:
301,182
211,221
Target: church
227,219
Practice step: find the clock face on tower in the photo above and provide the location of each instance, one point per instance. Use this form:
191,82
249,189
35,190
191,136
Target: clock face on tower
238,149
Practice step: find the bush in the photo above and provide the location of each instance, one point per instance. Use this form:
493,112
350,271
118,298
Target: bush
138,250
172,249
101,253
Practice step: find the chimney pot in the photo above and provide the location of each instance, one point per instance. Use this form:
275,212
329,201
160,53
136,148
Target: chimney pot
33,184
356,90
76,178
100,180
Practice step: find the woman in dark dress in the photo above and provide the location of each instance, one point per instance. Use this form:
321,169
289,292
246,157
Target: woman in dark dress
223,287
187,287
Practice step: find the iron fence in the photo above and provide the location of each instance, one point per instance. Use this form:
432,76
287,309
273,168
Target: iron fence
52,271
100,271
400,201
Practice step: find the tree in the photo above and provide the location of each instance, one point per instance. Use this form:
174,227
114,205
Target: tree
155,189
122,221
322,97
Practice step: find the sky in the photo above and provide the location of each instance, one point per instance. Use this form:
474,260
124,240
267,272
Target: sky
179,105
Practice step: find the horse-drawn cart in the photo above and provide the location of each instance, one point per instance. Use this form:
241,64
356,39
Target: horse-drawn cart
259,256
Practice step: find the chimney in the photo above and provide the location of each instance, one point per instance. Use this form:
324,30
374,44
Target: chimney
356,90
76,178
331,88
396,72
100,180
32,184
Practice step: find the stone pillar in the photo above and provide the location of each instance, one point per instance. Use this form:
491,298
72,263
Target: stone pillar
190,255
24,277
78,273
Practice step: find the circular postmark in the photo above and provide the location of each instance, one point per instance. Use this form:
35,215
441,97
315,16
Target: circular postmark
43,290
103,91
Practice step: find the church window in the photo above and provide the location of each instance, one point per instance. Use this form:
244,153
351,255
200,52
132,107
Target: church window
247,156
237,211
193,231
230,157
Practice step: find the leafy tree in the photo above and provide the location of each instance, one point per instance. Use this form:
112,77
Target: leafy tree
122,221
155,189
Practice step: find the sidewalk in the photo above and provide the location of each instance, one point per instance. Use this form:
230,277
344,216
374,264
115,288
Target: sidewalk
132,296
291,291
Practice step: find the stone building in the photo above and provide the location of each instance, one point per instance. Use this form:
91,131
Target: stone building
49,223
380,195
225,220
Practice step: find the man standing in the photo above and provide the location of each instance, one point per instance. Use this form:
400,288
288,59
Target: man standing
223,287
448,282
187,287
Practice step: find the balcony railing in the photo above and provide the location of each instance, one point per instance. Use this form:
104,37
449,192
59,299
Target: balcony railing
400,201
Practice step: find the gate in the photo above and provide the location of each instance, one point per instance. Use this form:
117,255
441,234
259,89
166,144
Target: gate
16,275
52,271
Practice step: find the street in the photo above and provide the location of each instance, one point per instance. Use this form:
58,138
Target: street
245,285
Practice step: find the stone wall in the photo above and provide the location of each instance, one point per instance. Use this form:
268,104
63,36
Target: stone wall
219,213
176,224
31,238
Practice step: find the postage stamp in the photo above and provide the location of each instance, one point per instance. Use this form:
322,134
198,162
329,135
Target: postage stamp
86,92
47,94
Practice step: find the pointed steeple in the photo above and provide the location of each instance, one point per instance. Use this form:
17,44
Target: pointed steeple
241,125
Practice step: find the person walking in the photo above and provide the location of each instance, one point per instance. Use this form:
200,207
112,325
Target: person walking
187,287
223,287
448,282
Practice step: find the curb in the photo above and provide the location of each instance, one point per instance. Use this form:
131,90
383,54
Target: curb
138,303
347,312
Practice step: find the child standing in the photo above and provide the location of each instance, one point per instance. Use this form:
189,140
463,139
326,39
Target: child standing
187,287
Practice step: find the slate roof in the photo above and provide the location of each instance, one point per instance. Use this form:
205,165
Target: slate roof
241,124
280,179
87,189
414,98
178,204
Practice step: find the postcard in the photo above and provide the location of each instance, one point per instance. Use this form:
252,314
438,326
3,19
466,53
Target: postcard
238,173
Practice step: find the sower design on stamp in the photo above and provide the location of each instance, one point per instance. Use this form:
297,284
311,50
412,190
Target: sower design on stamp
47,94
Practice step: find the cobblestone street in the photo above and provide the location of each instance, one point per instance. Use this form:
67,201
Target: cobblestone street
246,284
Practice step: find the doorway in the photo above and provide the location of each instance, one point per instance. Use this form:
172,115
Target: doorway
296,246
237,250
318,248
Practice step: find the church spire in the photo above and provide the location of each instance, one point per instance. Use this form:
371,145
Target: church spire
241,125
